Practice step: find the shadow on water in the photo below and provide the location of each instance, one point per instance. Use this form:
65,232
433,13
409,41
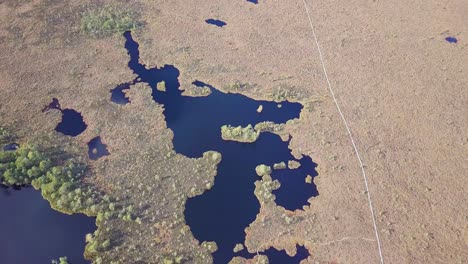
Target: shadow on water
222,213
32,232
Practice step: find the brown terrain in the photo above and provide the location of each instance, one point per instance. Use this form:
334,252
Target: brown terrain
400,85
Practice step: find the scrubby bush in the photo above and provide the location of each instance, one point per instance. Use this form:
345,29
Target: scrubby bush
282,94
269,126
4,135
108,20
60,180
62,260
23,165
263,170
279,166
241,134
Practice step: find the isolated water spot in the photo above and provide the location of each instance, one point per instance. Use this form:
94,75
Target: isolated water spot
253,1
11,147
55,104
97,149
451,39
222,213
33,232
280,257
72,123
216,22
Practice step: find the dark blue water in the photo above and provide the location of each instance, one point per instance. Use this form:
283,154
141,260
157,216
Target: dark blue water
253,1
223,213
32,232
294,191
280,257
72,123
118,95
11,147
97,149
216,22
451,39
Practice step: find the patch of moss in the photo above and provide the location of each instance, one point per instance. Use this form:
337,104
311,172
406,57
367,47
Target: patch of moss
108,20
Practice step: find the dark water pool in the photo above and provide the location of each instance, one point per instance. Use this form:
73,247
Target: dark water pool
97,149
222,214
72,123
118,95
32,232
216,22
451,39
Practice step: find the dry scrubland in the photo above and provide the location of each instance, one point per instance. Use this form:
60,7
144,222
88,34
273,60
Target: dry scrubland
402,88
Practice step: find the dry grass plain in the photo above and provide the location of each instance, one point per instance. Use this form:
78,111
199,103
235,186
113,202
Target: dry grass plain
401,87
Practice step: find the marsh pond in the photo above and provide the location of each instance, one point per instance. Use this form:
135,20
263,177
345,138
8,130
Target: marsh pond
222,213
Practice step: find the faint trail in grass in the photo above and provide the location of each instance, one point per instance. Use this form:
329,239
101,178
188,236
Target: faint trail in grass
371,207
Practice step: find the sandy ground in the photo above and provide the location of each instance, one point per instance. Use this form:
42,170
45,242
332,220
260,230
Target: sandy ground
400,85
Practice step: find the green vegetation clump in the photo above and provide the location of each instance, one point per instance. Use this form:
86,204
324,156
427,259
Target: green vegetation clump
4,135
161,86
282,94
95,244
172,260
238,247
59,184
60,181
238,86
292,164
269,126
241,134
62,260
263,170
108,20
22,166
211,246
279,166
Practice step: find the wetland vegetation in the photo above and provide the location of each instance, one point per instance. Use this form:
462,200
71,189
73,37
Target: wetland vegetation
108,20
59,177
